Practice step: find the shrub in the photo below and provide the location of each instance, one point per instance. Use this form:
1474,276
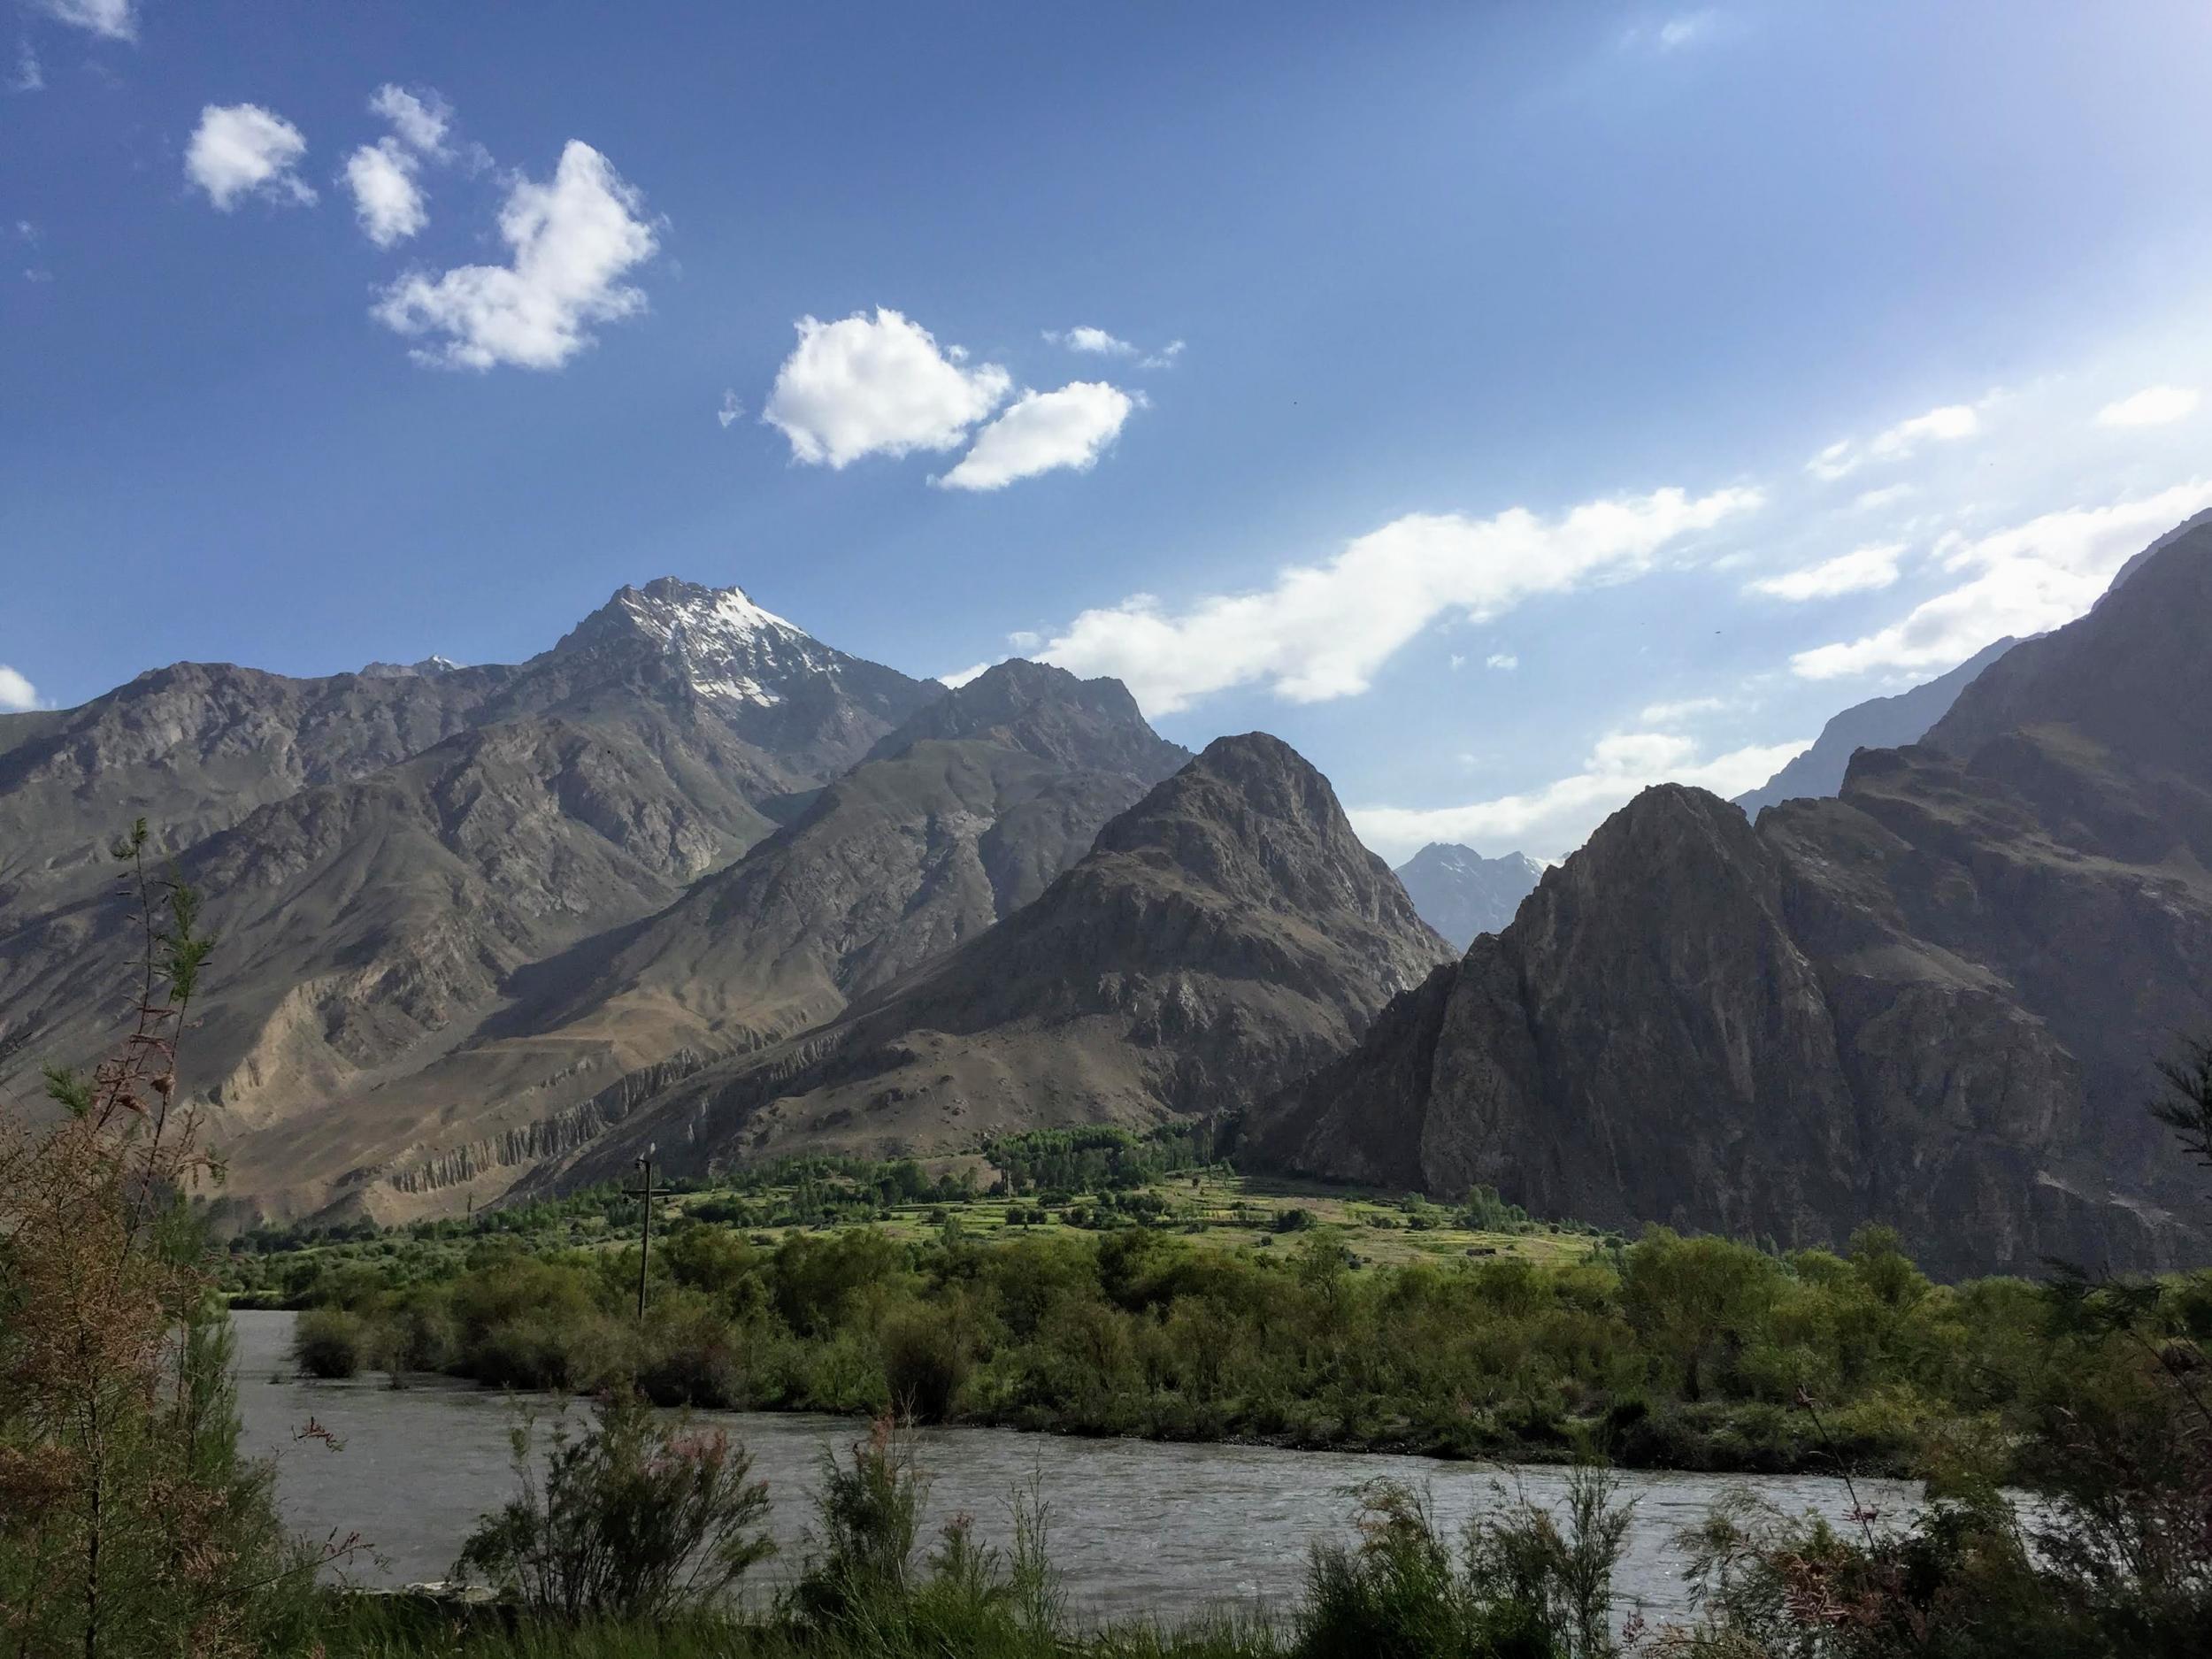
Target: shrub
331,1343
636,1518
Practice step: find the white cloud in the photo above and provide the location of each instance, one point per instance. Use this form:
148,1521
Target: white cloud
1947,425
242,149
1505,662
28,76
2023,581
1025,640
730,409
386,197
1164,358
1861,571
961,676
2152,406
1093,340
16,693
878,385
117,20
1321,631
1553,820
421,121
1686,29
1687,708
573,241
1043,431
1889,495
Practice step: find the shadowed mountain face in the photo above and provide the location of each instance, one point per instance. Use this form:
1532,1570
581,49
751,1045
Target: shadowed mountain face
1224,933
1935,1001
1877,723
1460,892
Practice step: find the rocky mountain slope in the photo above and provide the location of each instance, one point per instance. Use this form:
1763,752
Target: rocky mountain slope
1459,893
1934,1000
911,853
1877,723
382,852
1224,933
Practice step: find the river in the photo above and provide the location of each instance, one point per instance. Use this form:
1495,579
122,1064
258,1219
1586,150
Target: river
1139,1529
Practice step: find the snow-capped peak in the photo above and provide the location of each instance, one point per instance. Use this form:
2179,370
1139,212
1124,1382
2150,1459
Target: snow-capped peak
730,648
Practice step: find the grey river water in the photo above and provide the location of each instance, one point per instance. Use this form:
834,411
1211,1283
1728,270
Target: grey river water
1137,1529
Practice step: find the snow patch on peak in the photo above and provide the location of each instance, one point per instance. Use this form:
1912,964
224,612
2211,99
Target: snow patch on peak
731,649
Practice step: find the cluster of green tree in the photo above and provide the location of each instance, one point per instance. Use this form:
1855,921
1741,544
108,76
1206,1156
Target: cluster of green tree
1100,1158
1669,1352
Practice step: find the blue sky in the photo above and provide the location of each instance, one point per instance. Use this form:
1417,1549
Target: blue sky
1566,396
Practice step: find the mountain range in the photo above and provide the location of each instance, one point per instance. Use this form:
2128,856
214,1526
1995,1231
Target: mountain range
692,880
1936,999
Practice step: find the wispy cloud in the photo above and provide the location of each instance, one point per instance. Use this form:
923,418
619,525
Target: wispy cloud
1095,340
1947,425
2152,406
1321,631
2020,581
1860,571
730,411
1555,818
1043,432
1504,662
28,76
115,19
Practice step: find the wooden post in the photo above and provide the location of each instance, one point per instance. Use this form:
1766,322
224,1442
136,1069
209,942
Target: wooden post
645,1193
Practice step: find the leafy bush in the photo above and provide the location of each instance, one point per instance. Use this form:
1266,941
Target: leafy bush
635,1517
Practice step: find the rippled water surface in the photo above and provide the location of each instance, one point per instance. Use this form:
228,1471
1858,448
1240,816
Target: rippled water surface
1138,1528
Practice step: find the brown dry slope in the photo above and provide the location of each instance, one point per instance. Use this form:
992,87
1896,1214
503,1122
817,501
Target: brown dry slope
1224,934
954,823
1934,1001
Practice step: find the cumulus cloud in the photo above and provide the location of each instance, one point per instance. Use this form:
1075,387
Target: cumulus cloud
117,20
421,120
730,409
1947,425
1321,631
2152,406
573,240
1043,431
1860,571
2031,578
386,197
1556,818
877,386
1097,341
16,693
242,150
1505,662
961,676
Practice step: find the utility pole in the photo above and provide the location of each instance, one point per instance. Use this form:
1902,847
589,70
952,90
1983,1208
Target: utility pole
645,1193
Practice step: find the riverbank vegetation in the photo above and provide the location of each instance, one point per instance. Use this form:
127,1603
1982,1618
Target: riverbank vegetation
1669,1352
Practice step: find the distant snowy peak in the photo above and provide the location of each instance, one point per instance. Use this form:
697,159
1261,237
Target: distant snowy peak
731,649
1461,894
429,668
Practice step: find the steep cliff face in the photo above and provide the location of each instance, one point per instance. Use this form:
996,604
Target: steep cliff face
1224,933
1935,1001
